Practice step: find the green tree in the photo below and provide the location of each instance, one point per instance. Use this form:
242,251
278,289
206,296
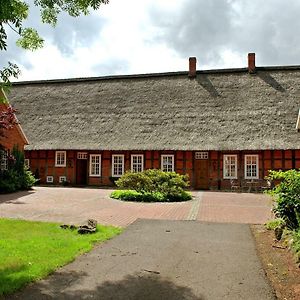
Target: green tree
14,12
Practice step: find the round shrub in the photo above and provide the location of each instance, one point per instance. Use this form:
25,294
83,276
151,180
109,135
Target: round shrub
153,186
131,195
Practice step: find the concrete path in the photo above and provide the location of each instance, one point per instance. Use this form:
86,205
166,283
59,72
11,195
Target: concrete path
169,260
75,205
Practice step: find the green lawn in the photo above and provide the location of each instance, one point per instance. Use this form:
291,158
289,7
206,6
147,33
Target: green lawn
31,250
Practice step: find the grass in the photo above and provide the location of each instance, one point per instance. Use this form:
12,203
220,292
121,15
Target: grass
31,250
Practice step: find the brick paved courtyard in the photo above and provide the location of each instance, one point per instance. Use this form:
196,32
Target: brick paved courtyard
74,205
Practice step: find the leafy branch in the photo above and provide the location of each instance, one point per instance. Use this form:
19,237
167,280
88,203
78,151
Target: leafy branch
14,12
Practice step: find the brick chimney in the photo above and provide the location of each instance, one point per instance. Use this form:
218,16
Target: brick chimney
192,67
251,63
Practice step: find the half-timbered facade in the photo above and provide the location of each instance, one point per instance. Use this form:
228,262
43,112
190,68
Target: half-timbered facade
222,127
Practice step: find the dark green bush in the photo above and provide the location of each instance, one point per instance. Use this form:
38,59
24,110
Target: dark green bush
296,243
153,185
153,180
131,195
17,177
286,196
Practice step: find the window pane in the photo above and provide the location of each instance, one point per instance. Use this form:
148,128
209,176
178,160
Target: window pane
167,163
137,163
251,166
118,165
95,165
60,158
230,166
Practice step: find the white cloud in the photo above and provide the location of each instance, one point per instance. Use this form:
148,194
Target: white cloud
146,36
121,47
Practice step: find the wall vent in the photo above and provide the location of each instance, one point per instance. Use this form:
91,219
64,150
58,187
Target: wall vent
49,179
62,179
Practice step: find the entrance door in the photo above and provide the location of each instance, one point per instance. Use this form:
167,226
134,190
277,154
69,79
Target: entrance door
81,171
201,172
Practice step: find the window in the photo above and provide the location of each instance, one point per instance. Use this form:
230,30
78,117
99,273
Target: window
49,179
27,163
3,160
137,163
60,158
81,155
117,165
251,167
230,167
62,179
201,155
95,165
167,163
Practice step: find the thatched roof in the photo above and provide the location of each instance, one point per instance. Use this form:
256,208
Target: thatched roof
218,110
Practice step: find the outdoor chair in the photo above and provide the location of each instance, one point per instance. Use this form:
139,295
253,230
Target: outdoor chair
235,185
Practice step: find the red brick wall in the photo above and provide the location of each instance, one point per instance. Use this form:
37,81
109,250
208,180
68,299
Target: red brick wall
44,163
12,137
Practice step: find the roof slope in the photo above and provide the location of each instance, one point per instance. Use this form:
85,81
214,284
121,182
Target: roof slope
218,110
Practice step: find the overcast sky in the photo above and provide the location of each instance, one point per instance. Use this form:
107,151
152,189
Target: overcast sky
143,36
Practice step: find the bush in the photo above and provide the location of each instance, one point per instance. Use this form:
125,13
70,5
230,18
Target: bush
152,180
296,243
17,177
286,196
273,224
131,195
153,185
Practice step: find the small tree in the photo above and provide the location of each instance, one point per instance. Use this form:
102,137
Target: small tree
7,119
286,196
14,12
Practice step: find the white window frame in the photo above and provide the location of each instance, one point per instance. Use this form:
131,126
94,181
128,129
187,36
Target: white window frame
49,179
224,165
62,179
162,161
3,160
90,165
201,155
81,155
27,163
132,163
113,164
257,166
56,157
298,121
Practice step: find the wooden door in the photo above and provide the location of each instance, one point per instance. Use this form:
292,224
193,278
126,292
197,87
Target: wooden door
201,174
81,171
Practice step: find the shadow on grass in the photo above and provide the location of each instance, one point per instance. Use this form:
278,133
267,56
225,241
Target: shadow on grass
139,286
15,198
11,280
